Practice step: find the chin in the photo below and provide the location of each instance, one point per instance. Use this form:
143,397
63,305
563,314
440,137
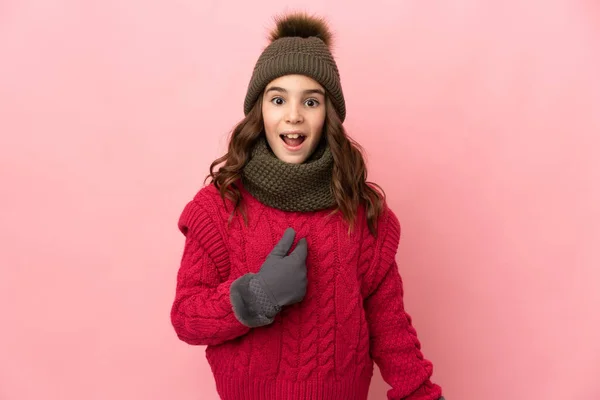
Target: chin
283,155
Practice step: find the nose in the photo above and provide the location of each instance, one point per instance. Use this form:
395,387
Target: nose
294,115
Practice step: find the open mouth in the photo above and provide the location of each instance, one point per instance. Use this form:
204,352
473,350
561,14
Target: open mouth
293,139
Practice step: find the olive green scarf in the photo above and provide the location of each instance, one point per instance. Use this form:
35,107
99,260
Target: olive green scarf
290,187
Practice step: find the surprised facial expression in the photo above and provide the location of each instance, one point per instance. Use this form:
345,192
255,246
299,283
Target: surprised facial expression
293,110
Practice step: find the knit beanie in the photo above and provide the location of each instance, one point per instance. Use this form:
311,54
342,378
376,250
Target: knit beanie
299,44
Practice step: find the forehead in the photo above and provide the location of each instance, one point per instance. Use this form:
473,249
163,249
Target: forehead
295,82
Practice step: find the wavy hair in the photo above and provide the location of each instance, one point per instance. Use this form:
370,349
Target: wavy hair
349,182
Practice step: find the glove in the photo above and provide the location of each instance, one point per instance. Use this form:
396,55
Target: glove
283,277
281,281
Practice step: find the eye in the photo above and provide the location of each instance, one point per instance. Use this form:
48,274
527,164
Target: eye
277,101
312,102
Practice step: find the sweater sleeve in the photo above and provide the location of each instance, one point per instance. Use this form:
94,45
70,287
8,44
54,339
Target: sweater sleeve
395,347
202,312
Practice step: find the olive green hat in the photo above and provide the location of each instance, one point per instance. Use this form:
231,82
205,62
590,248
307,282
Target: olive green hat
300,44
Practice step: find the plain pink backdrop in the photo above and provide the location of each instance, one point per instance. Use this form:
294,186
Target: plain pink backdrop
481,120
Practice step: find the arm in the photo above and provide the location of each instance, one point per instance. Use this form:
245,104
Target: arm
202,312
395,347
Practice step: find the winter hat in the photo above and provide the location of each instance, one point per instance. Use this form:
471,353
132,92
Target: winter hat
299,44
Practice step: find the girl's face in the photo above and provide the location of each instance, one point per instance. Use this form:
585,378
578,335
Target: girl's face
293,110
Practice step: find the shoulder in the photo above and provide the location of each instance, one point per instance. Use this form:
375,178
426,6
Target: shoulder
208,193
201,213
199,221
388,233
385,246
388,224
385,243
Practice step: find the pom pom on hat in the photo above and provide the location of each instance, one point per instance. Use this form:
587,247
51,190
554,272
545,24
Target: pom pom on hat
302,25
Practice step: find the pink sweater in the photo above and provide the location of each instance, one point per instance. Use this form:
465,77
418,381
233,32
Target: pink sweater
322,348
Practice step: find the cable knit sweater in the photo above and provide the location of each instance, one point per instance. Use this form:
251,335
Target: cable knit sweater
322,348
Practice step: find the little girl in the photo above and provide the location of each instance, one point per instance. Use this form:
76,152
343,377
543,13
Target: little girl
288,273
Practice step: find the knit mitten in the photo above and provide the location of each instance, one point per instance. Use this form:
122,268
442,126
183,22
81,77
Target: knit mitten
281,281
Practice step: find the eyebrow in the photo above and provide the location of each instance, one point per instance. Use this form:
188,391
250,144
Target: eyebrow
308,91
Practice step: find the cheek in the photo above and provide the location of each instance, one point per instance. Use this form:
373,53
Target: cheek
270,121
318,123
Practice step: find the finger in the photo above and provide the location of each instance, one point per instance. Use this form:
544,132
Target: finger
285,243
300,251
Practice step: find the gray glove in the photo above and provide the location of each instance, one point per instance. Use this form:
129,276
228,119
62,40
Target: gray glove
281,281
283,277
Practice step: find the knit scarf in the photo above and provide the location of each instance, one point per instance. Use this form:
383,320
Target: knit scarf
290,187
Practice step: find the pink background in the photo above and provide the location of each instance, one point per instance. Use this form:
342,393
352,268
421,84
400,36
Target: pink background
481,121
